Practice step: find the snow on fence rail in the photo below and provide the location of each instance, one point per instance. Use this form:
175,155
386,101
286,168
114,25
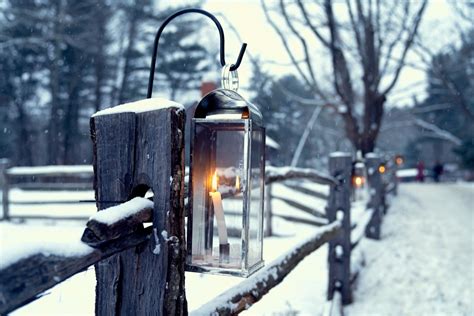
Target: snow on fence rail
250,291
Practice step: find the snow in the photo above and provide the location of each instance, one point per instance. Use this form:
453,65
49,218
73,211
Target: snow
423,264
231,116
270,271
270,142
116,213
342,109
141,106
339,154
59,241
406,173
45,170
371,155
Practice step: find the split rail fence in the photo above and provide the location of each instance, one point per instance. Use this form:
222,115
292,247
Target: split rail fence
134,278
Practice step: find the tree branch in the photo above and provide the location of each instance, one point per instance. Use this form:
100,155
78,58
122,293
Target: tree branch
408,43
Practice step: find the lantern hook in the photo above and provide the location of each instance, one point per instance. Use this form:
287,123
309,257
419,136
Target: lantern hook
233,67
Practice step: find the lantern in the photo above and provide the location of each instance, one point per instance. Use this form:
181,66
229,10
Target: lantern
382,168
226,186
359,181
399,160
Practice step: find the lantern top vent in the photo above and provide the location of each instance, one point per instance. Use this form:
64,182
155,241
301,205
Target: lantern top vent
227,104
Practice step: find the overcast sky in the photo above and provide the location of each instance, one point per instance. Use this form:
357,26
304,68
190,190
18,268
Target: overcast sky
248,18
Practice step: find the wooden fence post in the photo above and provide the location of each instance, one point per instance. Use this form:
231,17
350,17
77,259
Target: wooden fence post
339,208
4,165
395,179
135,152
376,196
268,211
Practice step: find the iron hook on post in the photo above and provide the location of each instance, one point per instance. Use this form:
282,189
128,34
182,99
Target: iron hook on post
233,67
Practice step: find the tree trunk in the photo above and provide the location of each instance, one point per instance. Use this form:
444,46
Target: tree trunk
55,130
127,68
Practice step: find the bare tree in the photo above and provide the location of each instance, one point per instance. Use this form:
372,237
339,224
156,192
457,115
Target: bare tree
367,52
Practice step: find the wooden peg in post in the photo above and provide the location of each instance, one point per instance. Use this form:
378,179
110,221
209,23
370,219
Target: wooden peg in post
339,208
137,147
376,196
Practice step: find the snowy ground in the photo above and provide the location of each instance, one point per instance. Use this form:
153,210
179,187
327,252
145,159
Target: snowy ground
423,265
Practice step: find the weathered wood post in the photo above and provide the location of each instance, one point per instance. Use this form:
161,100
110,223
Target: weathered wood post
268,211
376,196
339,208
137,147
4,165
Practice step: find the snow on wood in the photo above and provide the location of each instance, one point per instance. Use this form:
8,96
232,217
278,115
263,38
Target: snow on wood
371,155
117,221
23,279
270,142
274,174
12,255
51,170
116,213
339,154
407,173
250,291
140,106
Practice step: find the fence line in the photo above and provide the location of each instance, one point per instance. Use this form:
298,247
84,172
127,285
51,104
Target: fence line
149,279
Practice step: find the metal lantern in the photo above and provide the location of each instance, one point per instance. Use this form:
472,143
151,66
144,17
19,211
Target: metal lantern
359,181
225,219
399,160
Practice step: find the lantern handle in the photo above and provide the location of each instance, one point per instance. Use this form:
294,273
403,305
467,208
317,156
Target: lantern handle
221,36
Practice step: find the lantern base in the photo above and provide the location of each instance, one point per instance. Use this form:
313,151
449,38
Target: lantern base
245,273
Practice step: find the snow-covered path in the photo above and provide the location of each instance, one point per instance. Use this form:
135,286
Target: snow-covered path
424,264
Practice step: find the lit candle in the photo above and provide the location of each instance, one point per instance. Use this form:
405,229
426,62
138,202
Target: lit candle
219,212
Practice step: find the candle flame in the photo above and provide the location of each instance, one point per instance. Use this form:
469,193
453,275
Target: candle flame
237,183
358,181
214,181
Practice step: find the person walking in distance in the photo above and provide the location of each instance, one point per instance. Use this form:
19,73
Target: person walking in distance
420,175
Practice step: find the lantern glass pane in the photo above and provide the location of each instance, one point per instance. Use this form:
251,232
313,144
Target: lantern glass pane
256,196
219,184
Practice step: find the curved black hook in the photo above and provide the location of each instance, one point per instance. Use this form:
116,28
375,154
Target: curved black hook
221,36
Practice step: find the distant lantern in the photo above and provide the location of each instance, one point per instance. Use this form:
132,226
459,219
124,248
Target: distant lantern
399,160
226,186
382,168
359,181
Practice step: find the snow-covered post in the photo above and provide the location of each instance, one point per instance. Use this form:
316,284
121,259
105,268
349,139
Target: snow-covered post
139,147
4,164
376,195
339,208
268,211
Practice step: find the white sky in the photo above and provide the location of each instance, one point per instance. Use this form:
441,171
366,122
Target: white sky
248,18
